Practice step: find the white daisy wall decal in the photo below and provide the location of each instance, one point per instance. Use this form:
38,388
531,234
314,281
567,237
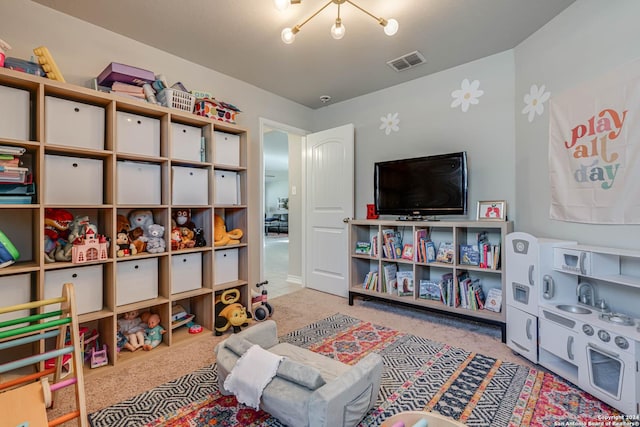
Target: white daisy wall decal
390,123
534,101
467,94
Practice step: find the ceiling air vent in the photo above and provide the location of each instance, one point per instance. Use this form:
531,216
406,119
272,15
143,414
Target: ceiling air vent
407,61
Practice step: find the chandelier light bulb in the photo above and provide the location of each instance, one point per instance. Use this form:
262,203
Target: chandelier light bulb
391,28
337,30
282,4
287,36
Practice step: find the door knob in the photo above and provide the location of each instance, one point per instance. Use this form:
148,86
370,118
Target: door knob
346,220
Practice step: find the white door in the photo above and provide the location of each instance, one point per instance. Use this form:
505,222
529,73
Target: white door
328,206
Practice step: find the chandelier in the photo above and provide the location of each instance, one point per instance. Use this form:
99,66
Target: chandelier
337,30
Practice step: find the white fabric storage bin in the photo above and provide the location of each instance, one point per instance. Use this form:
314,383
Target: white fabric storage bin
15,290
14,113
187,143
73,123
190,186
138,183
225,266
72,180
138,134
186,272
226,188
136,280
87,285
227,149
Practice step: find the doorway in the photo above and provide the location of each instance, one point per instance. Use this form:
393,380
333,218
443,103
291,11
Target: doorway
281,206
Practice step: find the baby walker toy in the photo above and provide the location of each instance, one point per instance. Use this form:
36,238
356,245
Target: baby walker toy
261,308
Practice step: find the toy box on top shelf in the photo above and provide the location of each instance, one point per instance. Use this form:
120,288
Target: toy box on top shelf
209,107
126,74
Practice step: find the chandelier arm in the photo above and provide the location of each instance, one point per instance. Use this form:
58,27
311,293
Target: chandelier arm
314,15
381,21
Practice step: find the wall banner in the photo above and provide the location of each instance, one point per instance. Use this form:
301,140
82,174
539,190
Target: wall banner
594,150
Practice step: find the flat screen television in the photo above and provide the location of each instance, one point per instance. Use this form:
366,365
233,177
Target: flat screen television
422,186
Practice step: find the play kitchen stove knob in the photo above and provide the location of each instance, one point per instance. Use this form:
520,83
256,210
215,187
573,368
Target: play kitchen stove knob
604,336
621,342
588,330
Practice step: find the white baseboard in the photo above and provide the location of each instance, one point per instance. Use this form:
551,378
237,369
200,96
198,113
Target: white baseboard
296,280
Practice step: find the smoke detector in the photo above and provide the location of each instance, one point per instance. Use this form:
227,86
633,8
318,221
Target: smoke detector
325,98
410,60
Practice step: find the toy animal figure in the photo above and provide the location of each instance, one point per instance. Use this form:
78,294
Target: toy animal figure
182,218
230,313
199,237
123,246
140,218
223,237
155,238
56,230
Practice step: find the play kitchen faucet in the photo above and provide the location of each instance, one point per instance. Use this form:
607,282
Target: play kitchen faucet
588,297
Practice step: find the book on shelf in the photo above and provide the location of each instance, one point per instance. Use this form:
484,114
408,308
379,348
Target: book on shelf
429,290
374,246
445,252
407,251
430,251
494,300
389,280
420,236
405,283
391,244
363,248
469,255
370,281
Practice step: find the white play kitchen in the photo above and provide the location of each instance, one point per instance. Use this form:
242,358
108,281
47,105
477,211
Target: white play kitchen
575,310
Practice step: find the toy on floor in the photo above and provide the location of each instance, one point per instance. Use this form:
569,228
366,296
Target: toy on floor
48,64
131,326
8,253
221,236
230,313
261,308
153,332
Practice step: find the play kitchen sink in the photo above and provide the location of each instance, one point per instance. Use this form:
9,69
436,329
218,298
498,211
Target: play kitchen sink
576,309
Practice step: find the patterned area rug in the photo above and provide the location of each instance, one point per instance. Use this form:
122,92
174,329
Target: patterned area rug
419,374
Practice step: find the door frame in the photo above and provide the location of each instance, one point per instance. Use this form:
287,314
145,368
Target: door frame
265,124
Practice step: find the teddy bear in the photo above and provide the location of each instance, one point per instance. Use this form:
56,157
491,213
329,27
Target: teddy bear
134,238
155,238
175,238
221,236
123,246
187,238
122,224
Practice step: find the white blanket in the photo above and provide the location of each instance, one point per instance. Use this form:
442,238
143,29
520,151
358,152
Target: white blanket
251,374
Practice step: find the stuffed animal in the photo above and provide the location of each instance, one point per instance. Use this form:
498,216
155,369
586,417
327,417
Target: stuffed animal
199,237
134,238
182,218
140,218
155,238
175,238
56,231
153,332
122,224
230,313
223,237
123,246
187,238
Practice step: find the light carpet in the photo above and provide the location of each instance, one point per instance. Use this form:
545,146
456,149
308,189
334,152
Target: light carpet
419,374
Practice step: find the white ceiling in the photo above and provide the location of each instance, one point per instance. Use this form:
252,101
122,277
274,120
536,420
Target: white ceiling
241,38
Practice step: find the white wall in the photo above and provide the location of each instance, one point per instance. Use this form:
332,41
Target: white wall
428,125
82,50
585,41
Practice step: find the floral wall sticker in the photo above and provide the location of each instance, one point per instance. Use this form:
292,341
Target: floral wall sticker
467,94
390,123
534,101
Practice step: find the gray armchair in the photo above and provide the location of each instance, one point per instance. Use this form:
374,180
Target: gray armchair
309,389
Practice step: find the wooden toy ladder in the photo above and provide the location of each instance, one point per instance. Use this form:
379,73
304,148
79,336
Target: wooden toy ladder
23,400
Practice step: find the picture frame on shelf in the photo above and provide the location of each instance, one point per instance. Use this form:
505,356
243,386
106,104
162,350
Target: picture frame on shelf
492,210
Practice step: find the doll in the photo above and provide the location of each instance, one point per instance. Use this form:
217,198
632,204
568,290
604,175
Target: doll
153,332
131,326
123,342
